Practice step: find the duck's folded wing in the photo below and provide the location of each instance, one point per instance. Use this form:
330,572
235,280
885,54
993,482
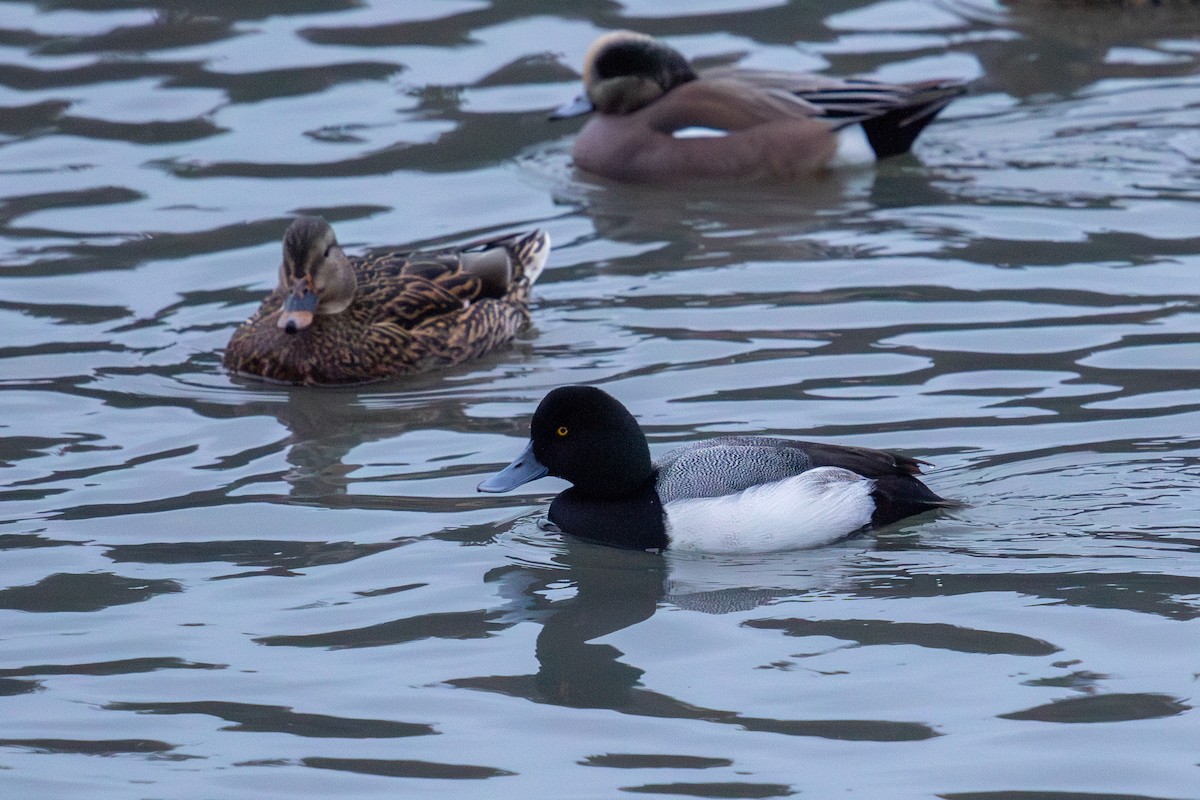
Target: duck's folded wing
848,100
724,105
731,464
863,460
414,299
724,467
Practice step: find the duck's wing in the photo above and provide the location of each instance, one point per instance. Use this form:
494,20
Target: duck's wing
445,307
726,466
506,262
396,290
892,114
723,105
898,493
485,268
863,460
730,464
848,99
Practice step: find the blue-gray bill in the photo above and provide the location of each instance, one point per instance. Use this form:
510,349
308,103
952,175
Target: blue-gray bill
573,108
523,469
298,310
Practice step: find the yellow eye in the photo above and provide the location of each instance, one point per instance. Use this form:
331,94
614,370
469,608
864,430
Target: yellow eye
562,430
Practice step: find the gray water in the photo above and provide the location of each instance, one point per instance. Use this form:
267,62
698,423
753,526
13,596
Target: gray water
216,588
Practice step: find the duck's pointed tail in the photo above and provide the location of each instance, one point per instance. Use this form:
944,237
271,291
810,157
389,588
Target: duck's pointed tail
900,496
894,131
529,253
513,262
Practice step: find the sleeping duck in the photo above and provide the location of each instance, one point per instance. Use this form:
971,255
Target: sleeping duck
659,121
732,494
339,319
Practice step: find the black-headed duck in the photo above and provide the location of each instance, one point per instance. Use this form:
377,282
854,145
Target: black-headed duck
731,494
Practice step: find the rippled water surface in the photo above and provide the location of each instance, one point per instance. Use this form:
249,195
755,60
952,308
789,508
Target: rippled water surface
216,588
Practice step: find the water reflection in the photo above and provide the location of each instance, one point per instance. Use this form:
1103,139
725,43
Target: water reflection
255,718
405,768
274,557
1062,47
83,592
1013,302
1104,708
615,590
326,427
690,228
1147,593
935,635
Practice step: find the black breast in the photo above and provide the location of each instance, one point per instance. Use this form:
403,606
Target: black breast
634,522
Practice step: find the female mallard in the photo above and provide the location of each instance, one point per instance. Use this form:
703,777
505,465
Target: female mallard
336,319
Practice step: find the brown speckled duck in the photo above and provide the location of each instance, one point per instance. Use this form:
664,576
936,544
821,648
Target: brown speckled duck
659,121
334,319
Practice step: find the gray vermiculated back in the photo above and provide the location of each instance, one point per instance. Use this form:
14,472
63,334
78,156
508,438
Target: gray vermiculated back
727,465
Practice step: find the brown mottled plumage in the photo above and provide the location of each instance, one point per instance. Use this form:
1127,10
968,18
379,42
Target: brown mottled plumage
334,319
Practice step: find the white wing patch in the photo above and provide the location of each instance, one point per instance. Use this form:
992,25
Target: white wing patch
811,509
698,132
853,149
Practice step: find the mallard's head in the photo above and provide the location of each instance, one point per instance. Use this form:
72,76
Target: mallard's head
315,276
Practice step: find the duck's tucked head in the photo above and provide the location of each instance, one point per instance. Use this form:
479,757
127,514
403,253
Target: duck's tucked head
585,436
315,276
624,71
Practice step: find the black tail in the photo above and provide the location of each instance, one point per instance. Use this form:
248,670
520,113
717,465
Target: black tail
900,496
894,131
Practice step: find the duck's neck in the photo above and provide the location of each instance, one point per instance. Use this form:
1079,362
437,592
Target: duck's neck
617,462
633,520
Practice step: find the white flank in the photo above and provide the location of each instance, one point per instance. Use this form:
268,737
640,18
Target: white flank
698,132
853,149
811,509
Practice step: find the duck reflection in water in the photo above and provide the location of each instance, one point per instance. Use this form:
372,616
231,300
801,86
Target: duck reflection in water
618,589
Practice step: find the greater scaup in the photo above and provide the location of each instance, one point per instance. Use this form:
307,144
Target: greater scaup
727,495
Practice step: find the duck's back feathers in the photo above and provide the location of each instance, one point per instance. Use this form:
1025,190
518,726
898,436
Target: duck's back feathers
727,465
894,131
410,312
892,114
732,463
